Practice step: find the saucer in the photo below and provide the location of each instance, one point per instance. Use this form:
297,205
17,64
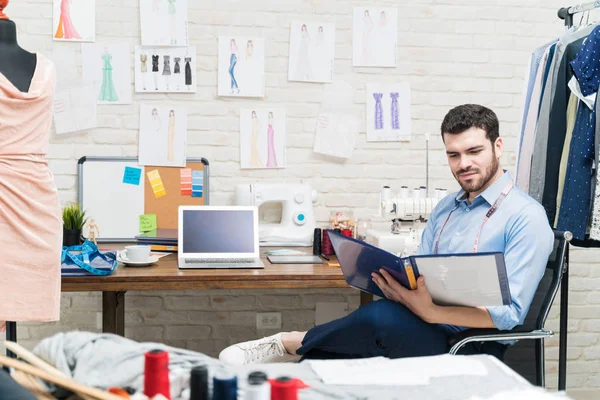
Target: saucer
151,260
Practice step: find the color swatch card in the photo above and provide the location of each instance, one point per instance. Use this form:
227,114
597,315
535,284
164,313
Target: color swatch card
157,184
197,183
132,175
186,181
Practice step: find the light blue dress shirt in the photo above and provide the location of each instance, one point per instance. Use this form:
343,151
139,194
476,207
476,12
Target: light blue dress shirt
519,228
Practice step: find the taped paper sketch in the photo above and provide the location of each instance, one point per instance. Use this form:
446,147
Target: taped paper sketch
312,52
375,37
241,66
109,67
388,112
164,22
170,69
163,135
74,20
262,138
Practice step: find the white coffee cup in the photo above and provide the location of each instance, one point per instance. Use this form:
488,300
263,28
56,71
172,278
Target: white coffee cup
136,253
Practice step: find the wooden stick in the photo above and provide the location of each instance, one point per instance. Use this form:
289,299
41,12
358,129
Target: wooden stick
34,360
62,381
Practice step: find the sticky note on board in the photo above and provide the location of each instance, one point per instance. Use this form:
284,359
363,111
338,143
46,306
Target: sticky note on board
148,222
186,181
132,175
157,185
197,183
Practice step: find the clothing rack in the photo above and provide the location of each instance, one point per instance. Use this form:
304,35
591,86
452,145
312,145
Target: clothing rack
567,13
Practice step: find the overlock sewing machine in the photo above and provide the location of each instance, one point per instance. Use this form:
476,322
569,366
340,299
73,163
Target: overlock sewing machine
296,224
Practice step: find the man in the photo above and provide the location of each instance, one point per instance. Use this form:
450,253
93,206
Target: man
408,323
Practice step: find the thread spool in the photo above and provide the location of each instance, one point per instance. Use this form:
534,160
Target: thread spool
225,387
199,383
346,232
258,387
284,388
317,242
326,246
156,374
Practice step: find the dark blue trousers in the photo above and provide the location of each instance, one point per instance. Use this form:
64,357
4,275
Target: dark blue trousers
381,328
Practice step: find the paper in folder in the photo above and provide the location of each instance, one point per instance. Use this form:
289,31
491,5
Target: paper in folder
473,279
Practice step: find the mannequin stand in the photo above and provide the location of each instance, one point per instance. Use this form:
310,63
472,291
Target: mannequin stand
11,335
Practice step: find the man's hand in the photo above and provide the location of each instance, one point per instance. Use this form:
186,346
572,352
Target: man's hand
418,300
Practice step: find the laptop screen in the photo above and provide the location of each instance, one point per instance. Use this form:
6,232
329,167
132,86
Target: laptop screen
218,231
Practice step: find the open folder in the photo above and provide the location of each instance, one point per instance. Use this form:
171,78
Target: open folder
473,279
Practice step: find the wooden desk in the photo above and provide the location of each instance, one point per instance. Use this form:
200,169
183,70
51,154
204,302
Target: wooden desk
165,275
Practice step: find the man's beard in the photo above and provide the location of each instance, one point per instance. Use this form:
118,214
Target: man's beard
477,182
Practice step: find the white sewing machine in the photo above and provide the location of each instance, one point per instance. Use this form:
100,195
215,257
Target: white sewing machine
297,223
402,219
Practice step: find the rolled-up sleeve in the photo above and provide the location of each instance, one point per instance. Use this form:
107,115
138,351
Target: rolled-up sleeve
529,243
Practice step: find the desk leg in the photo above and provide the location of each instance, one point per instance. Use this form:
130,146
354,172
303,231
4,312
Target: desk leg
11,335
113,312
365,298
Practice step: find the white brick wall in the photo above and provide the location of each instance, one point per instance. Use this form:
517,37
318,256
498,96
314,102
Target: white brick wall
451,52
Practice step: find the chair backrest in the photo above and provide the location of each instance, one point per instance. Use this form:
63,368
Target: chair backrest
550,283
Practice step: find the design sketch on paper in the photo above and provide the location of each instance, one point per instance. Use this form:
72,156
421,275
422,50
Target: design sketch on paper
375,37
109,67
74,20
162,136
312,52
164,22
262,138
170,69
388,112
241,66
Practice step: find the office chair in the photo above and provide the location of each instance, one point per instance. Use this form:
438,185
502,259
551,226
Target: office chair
556,267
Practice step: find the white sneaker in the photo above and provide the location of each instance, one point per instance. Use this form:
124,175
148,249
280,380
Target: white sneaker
266,350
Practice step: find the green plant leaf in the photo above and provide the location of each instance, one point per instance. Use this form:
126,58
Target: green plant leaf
73,217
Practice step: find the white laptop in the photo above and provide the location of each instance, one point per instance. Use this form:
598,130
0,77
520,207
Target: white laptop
218,237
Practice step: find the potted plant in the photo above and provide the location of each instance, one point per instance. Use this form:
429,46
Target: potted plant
73,221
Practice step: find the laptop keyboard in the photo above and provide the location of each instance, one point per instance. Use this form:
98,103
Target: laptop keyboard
220,260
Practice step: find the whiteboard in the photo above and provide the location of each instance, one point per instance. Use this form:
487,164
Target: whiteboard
115,205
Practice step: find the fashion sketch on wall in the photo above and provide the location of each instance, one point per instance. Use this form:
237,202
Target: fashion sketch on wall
312,52
388,112
109,67
165,69
74,20
262,138
374,37
162,136
241,68
164,22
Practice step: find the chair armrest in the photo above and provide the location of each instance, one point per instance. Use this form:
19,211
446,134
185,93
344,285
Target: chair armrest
487,335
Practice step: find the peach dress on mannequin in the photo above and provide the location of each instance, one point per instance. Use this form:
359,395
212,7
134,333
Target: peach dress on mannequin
30,213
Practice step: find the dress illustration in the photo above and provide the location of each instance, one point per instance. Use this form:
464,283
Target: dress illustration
176,68
107,90
394,110
271,157
171,135
143,68
172,21
232,63
378,111
303,69
255,161
31,227
66,29
167,65
155,69
155,119
188,71
366,38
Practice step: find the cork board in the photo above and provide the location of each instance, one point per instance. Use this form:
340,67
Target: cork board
166,207
116,203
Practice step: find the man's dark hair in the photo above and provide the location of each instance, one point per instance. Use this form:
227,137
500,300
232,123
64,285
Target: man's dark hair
466,116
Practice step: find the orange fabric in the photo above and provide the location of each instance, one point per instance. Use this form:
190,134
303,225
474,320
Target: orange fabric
59,30
30,214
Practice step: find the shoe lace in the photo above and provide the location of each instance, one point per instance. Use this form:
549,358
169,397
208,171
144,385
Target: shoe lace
264,347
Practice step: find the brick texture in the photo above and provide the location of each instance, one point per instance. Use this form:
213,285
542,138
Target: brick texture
451,52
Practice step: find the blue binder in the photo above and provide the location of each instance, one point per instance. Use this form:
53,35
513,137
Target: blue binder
358,260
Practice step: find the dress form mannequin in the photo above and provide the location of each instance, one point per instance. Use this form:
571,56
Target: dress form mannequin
16,64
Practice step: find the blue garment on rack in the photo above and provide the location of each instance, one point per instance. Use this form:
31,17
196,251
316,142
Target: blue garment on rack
576,200
546,72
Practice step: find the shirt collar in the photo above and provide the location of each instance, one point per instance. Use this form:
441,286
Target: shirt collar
491,193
